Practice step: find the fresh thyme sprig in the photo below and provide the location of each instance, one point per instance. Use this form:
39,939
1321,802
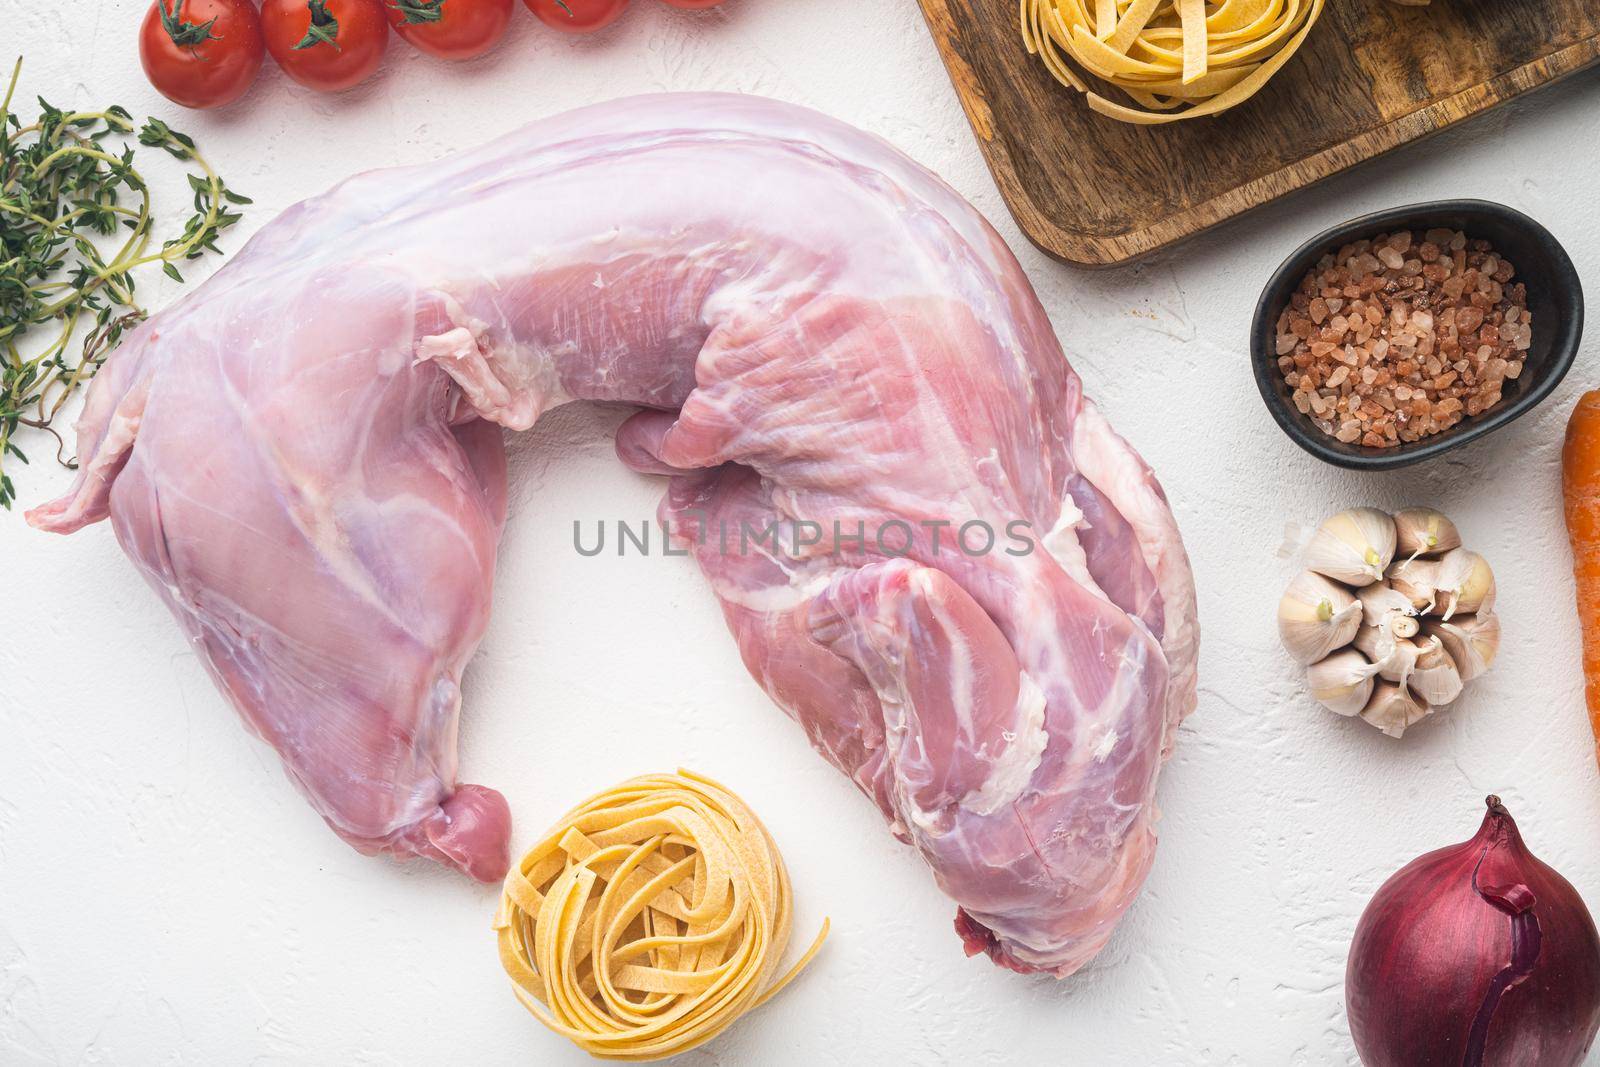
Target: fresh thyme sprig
67,183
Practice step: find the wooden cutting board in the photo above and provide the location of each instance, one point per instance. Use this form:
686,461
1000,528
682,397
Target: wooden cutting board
1373,75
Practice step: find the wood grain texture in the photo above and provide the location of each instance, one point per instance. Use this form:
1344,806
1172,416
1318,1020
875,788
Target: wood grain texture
1373,75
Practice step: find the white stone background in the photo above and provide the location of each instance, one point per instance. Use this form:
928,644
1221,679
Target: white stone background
166,897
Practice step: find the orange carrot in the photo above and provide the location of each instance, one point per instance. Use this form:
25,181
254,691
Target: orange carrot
1580,485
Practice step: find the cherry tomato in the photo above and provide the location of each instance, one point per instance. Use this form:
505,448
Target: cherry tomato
693,5
326,45
577,16
450,29
201,53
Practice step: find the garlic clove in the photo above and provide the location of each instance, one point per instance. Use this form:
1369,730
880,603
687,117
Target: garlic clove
1471,641
1394,657
1417,581
1424,532
1354,546
1464,584
1383,605
1342,682
1392,708
1376,643
1316,616
1436,681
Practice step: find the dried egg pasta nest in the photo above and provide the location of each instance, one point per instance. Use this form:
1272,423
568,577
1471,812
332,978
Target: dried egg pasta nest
1176,59
649,919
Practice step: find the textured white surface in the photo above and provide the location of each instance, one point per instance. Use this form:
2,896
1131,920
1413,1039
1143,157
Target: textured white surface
166,897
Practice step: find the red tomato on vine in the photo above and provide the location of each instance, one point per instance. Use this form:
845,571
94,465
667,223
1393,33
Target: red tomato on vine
326,45
577,16
201,53
450,29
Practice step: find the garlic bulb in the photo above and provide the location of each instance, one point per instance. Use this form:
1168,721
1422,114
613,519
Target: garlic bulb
1424,532
1354,546
1393,617
1392,708
1470,640
1341,683
1435,679
1316,616
1464,584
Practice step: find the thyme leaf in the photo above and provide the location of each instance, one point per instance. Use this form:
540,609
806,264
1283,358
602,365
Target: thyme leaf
68,186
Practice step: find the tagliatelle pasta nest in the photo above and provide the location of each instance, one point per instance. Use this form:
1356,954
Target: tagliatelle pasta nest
1176,59
649,919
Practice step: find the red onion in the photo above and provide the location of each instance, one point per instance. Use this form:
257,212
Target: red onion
1475,954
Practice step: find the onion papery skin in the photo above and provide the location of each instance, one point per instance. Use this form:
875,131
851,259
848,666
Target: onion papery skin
1473,955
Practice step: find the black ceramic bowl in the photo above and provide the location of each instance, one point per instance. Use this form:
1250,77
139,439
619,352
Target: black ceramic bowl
1555,298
